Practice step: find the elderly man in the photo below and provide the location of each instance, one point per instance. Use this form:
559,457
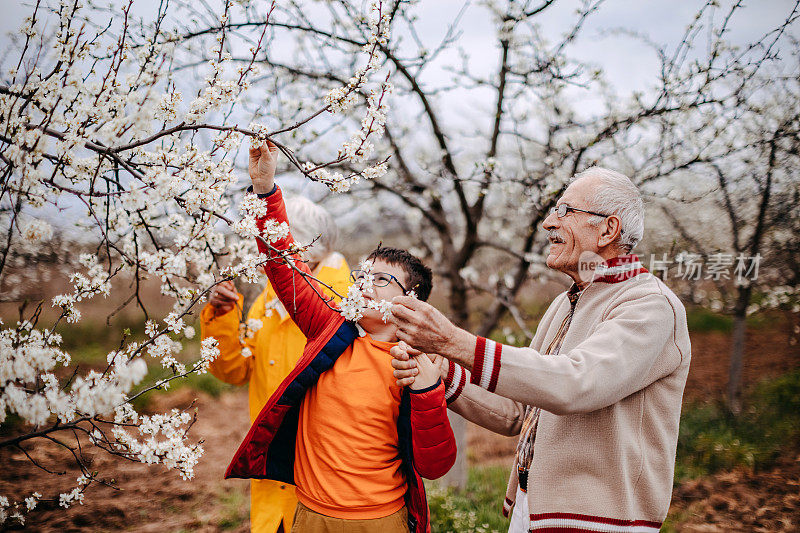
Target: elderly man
596,398
266,357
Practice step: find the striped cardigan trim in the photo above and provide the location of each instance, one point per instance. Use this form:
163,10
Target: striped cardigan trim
486,368
619,269
565,522
454,382
507,505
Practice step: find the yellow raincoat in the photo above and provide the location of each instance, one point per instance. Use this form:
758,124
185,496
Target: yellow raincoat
274,350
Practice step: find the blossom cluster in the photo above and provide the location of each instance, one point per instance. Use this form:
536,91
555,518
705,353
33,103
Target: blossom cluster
159,439
354,303
99,126
359,147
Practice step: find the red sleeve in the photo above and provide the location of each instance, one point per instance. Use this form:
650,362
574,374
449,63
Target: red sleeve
432,438
302,297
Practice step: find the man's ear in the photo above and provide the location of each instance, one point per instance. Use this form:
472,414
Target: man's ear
610,231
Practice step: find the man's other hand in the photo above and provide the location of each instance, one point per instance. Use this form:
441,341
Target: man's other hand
223,298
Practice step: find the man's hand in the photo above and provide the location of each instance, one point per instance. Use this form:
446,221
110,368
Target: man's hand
421,325
427,330
223,298
263,161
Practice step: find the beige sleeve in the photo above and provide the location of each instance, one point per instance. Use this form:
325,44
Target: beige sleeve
623,354
480,406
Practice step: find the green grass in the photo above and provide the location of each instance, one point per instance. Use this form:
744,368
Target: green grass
711,439
234,509
702,320
476,509
198,382
89,341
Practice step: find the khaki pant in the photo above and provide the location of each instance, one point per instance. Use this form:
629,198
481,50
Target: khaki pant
308,521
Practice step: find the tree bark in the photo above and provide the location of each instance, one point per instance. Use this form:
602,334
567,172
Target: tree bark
737,351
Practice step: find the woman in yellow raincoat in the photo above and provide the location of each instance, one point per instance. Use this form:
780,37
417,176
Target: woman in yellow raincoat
262,352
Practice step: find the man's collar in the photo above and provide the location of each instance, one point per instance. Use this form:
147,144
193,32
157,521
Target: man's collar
619,269
574,293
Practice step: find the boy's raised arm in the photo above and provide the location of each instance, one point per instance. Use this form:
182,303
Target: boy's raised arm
302,297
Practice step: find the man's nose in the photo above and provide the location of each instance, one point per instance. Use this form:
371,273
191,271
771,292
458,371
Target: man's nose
550,222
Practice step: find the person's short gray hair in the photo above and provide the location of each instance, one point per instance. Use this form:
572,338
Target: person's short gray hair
309,221
616,195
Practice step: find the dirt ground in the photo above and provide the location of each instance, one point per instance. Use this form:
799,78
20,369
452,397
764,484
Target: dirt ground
150,499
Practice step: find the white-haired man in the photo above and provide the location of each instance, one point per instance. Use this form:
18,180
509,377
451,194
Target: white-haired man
596,398
264,359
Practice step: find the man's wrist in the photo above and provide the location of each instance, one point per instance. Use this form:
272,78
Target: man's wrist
460,348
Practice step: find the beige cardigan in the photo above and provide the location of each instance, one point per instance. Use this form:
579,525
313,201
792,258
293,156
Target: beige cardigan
604,452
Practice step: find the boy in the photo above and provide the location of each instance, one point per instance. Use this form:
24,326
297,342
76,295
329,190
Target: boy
338,427
275,348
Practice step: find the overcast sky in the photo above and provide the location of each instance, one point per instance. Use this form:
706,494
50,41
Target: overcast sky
629,64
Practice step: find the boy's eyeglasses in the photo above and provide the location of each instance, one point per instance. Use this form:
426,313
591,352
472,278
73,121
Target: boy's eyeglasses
379,279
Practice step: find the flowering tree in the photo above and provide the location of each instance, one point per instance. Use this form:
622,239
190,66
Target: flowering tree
473,198
754,191
132,125
93,125
470,195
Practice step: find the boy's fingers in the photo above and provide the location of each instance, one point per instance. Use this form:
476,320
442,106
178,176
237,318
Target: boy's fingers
404,365
404,374
398,353
405,382
423,361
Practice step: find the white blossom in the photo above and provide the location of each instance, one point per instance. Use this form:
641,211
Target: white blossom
35,230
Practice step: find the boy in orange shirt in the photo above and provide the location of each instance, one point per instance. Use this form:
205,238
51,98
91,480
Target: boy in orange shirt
354,443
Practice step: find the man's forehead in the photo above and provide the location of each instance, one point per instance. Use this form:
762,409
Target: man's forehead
575,193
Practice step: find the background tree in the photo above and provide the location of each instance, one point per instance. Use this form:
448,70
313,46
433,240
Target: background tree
129,125
754,190
94,136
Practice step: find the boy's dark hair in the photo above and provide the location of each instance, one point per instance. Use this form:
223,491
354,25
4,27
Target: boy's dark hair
420,278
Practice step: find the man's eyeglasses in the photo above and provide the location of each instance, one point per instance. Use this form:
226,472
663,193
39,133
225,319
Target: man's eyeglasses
562,210
379,279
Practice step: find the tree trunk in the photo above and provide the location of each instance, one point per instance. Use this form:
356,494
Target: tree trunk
457,476
737,351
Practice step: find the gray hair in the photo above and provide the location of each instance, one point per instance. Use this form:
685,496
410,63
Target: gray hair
309,223
616,195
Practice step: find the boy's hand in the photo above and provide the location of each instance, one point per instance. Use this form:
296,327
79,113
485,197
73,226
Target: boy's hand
263,161
428,366
223,298
404,364
414,368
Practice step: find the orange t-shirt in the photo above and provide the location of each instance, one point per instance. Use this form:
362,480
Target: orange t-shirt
347,463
